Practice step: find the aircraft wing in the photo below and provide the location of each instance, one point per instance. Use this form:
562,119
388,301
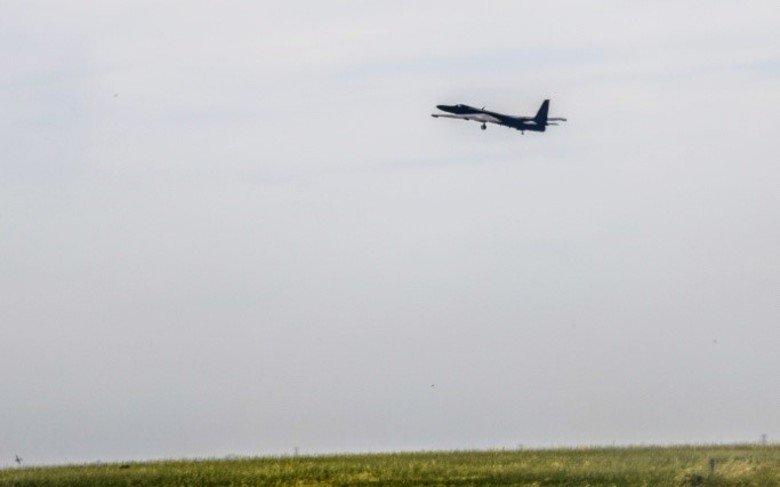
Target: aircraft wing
477,117
437,115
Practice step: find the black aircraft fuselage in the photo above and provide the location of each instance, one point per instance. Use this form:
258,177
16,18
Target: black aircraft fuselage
537,123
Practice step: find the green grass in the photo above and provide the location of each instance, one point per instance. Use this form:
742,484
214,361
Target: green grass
689,465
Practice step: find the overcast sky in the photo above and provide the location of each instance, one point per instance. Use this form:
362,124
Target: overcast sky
233,227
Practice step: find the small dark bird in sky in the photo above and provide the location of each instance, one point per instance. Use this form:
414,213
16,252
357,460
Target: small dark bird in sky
18,460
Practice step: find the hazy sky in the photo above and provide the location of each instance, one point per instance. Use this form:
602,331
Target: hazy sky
233,227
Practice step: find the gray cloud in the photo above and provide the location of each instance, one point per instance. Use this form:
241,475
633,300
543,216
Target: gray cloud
235,228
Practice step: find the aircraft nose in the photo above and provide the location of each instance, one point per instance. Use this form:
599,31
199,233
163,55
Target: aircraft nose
442,107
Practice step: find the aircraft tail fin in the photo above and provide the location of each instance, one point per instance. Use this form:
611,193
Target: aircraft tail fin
541,115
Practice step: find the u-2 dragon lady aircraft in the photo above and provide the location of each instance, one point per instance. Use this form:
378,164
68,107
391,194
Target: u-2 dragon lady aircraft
537,123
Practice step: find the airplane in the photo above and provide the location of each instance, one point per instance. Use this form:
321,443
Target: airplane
537,123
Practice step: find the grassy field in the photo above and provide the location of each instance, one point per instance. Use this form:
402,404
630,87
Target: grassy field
691,465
